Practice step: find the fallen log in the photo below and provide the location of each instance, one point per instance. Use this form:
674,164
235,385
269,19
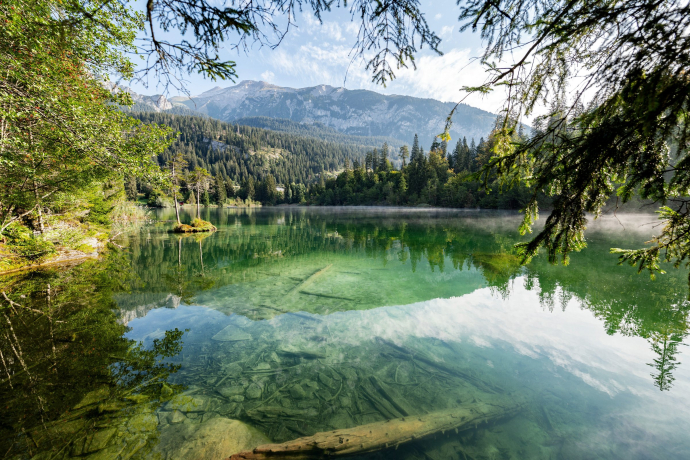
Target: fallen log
308,281
381,435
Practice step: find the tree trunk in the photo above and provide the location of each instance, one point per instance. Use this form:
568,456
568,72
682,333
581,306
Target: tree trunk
41,227
382,435
177,207
198,200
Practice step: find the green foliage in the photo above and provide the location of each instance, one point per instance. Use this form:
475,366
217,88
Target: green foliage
22,242
238,152
78,374
624,131
61,129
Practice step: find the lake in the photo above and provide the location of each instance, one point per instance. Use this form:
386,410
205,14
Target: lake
297,321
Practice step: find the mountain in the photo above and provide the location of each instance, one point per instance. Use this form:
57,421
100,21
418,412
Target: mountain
355,112
319,131
240,152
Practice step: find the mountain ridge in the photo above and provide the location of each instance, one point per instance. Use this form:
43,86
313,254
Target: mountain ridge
357,112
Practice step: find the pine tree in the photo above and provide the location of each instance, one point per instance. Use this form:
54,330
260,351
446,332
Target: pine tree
383,158
471,154
404,154
415,149
229,188
455,159
220,191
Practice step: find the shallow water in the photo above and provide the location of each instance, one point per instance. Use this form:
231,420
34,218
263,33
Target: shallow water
302,320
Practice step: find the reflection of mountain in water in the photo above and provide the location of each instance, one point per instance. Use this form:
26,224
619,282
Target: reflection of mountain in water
137,305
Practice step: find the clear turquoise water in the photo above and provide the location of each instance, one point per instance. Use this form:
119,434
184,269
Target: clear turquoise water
302,320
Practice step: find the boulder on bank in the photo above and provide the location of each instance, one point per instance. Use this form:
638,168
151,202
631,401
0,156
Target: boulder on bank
197,225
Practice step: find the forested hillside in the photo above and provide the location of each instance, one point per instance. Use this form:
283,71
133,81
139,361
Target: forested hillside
317,130
239,152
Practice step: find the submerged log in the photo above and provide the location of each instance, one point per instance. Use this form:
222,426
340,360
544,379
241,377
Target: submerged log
381,435
308,281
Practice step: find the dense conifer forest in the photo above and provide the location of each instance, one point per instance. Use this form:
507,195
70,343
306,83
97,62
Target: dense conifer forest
296,166
240,152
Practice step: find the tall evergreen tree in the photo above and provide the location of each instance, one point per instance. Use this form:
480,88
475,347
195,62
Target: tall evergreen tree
404,154
220,190
415,149
383,158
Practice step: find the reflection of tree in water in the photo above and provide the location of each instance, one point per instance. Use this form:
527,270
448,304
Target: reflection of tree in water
627,303
71,383
247,245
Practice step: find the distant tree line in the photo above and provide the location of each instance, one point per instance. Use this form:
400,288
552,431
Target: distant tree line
441,177
254,164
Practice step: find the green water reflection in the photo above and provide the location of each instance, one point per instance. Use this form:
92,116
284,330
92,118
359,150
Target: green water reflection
72,384
306,320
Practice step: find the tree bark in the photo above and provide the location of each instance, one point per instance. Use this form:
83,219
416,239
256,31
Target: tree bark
381,435
198,200
177,207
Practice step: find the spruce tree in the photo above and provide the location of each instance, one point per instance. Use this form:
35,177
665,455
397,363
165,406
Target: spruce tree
220,191
404,154
415,149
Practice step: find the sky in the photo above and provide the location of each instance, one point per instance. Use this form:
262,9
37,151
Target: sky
314,54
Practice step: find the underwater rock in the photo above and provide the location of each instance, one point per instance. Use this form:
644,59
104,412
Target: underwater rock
294,352
237,398
232,369
93,442
262,367
326,380
231,333
176,417
214,439
231,391
186,403
253,391
297,392
93,397
227,409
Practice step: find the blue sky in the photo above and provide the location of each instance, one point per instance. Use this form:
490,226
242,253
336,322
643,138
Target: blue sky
313,54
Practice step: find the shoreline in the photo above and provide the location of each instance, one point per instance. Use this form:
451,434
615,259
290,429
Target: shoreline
60,259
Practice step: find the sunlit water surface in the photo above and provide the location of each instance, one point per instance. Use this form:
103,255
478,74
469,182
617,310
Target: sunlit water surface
301,321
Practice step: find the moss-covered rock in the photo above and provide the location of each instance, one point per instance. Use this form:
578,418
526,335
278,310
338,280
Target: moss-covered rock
197,225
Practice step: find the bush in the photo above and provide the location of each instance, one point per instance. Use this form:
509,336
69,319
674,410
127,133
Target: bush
158,199
22,242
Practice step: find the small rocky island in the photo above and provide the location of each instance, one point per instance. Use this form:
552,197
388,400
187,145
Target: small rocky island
196,226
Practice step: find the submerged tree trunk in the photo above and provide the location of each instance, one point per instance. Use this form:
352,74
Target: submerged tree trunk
382,435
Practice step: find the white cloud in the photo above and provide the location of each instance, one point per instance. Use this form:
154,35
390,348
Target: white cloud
268,76
438,16
446,32
436,77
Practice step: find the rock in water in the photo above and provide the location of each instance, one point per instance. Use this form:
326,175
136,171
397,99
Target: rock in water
253,392
214,439
231,333
176,417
